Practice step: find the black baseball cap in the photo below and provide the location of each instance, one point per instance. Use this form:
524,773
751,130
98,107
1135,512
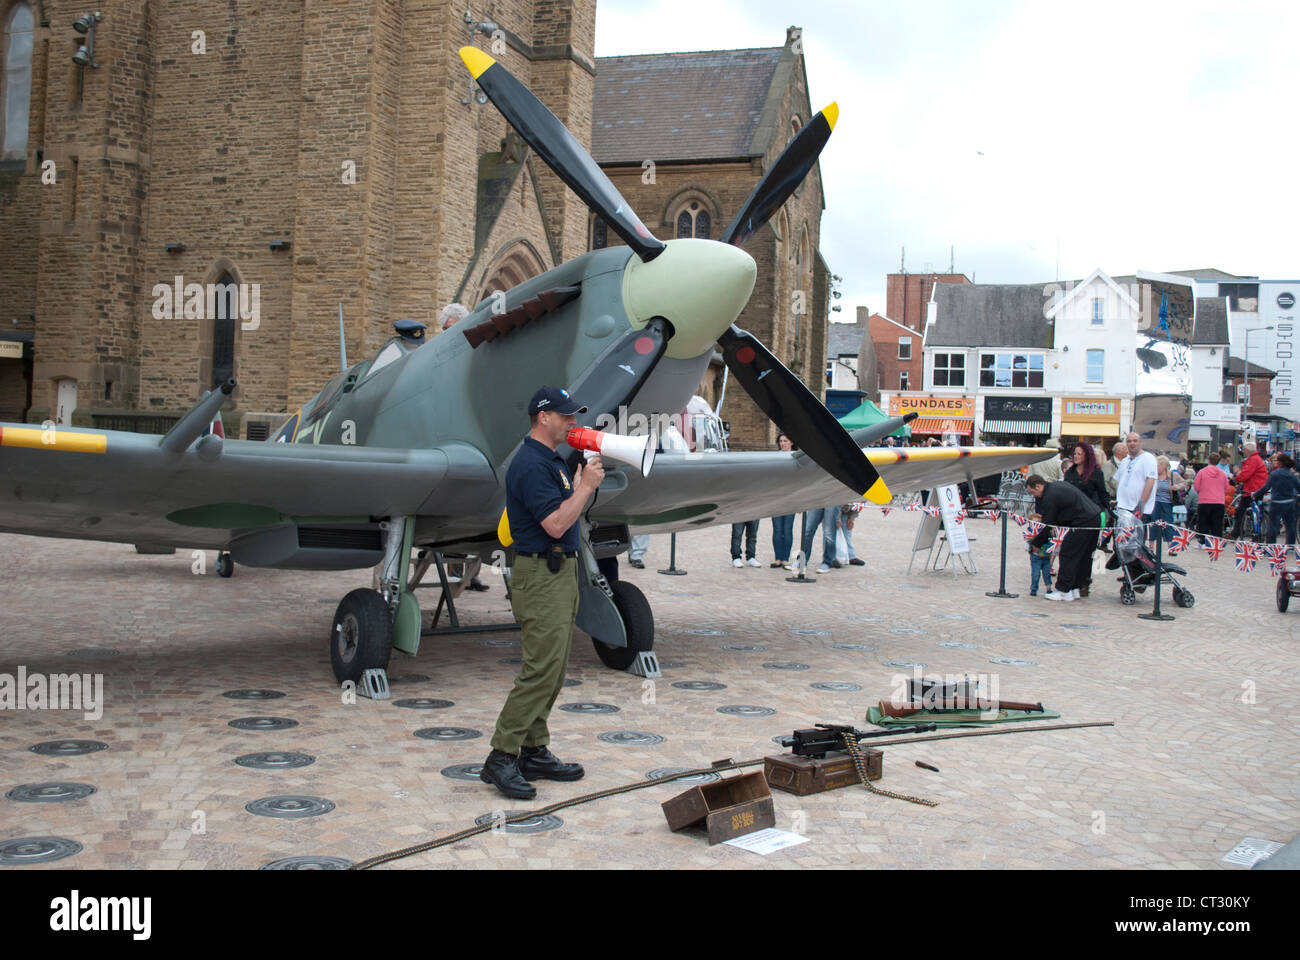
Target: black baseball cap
554,400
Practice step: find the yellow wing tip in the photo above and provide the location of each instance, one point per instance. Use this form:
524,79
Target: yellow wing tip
503,530
476,60
879,493
831,113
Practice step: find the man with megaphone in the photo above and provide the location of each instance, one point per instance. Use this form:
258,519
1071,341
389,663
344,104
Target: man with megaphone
543,505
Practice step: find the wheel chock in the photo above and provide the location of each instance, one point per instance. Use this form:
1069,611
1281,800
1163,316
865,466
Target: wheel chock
374,684
646,665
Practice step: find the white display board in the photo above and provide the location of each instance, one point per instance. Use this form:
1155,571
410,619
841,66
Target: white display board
949,511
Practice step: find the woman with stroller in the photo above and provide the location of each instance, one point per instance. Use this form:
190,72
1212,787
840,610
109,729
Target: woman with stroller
1085,474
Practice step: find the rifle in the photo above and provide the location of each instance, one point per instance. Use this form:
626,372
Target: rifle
888,709
827,737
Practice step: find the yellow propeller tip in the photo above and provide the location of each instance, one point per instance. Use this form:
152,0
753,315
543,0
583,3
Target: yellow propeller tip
503,530
476,60
831,113
879,493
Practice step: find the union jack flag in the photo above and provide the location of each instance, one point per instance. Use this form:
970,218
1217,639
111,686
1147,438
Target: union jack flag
1020,521
912,507
961,517
1214,546
931,511
1058,539
1182,541
1246,557
1126,534
1104,538
1276,558
1032,529
884,511
993,514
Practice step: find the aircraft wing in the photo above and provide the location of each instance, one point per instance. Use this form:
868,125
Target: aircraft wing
691,490
125,487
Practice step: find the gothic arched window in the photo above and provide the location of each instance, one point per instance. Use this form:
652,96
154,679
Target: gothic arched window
694,221
16,56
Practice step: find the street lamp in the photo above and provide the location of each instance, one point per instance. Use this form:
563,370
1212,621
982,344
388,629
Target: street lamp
1246,364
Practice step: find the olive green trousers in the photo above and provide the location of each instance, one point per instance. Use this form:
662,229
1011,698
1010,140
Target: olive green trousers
545,604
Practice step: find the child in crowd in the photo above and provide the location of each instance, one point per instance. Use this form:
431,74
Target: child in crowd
1040,564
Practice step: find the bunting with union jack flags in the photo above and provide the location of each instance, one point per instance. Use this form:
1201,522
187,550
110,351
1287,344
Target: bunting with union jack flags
1058,540
1276,558
1182,541
1245,557
1214,547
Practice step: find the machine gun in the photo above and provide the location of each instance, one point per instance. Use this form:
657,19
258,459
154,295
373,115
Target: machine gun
826,737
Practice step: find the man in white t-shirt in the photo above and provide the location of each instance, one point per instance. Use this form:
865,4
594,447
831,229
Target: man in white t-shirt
1135,480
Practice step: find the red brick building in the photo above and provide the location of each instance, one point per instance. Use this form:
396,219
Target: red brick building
898,354
906,295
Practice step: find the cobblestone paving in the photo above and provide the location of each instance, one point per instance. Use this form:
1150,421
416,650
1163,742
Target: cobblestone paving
1204,751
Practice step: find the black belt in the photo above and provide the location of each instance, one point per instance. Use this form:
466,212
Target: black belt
525,553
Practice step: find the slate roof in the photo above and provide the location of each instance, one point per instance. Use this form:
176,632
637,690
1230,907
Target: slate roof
1236,367
844,339
680,106
989,315
1211,326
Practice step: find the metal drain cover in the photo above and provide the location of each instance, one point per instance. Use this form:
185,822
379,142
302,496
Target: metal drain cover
998,629
785,665
93,653
867,619
1079,626
952,616
512,661
746,710
811,633
588,708
851,646
576,683
547,821
463,771
839,685
912,586
24,850
744,647
958,645
263,723
67,748
671,664
662,773
1023,613
253,694
699,685
902,663
275,761
707,633
498,643
423,703
307,863
448,733
1014,662
631,737
405,678
289,807
50,792
1052,643
912,630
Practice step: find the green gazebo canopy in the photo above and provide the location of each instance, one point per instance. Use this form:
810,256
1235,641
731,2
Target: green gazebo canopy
867,415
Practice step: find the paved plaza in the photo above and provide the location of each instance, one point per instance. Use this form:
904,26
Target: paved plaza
1203,753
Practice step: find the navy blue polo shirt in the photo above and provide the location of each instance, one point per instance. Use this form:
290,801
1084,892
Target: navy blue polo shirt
536,484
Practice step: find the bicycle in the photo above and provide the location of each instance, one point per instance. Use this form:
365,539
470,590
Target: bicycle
1253,524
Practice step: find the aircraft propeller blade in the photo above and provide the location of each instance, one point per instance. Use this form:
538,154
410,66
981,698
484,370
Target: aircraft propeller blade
800,415
783,178
560,151
613,380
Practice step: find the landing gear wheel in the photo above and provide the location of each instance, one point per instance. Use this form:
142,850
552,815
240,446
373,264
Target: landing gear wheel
1184,598
1283,594
225,565
638,621
1126,595
361,637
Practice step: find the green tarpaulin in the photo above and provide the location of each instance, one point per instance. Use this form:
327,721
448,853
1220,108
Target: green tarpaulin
867,415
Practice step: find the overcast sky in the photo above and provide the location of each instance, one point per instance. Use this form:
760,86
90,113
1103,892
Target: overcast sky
1134,135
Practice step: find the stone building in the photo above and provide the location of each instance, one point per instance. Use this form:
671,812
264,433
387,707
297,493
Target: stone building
685,137
309,153
198,201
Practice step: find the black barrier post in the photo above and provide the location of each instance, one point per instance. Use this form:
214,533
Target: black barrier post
672,570
1159,574
803,561
1002,583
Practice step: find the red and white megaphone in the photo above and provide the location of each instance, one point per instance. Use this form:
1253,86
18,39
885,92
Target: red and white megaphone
638,451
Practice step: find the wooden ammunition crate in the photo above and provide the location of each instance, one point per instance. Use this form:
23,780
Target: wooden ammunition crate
805,775
731,807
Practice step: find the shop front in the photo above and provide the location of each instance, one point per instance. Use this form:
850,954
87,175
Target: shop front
950,420
1094,419
1016,421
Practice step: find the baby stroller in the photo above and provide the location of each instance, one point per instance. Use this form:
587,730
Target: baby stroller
1137,564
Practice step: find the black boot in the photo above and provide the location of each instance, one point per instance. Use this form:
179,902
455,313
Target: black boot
501,769
538,763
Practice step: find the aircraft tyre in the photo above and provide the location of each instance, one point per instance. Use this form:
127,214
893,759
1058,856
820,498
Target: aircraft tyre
361,637
225,565
638,621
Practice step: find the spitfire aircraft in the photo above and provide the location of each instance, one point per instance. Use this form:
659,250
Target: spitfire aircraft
406,452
